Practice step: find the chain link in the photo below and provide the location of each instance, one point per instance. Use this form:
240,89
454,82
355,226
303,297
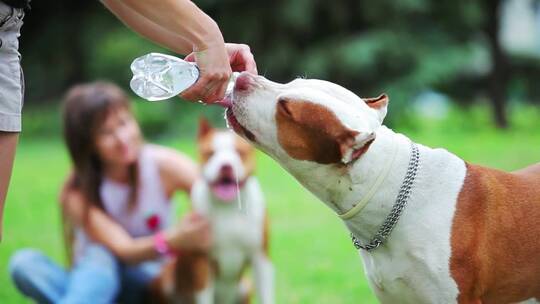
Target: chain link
401,201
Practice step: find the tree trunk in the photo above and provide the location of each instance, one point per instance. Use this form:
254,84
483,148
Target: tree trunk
498,80
74,15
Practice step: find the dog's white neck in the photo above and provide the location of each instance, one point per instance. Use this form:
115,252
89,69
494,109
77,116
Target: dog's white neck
342,187
366,223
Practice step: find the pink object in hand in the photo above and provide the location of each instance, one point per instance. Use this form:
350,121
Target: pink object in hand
161,246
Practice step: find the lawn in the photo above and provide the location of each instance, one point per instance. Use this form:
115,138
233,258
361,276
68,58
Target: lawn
314,259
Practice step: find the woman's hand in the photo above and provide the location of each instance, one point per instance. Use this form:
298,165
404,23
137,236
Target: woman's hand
216,64
192,233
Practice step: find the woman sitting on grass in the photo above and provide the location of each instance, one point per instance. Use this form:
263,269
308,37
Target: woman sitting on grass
119,200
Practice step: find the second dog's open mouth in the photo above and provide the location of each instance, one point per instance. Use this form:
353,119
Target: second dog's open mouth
237,127
226,188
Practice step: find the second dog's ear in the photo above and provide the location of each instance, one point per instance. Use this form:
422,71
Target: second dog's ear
204,127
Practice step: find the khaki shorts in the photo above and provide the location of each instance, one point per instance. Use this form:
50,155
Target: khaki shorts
11,75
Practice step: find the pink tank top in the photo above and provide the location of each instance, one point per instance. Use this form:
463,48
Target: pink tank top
152,211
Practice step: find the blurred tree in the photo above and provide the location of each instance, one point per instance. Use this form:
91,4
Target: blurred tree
498,80
52,46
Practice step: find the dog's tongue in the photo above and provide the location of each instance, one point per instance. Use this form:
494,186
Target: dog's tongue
225,192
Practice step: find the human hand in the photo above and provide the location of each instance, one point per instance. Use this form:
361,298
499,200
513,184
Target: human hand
240,58
191,233
216,64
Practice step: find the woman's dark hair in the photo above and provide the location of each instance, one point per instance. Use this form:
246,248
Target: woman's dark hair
86,107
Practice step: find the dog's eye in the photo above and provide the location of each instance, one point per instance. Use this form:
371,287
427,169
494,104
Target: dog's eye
207,154
242,154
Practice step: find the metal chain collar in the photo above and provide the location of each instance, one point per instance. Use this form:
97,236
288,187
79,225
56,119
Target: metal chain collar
401,200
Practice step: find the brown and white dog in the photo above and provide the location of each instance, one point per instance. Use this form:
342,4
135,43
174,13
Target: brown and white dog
229,195
469,234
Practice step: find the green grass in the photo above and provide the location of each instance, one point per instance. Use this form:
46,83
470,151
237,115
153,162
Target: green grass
311,250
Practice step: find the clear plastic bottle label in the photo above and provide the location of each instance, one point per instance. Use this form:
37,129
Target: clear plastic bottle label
158,76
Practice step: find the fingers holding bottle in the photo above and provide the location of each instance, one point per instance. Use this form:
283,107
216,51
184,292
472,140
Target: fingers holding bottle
216,70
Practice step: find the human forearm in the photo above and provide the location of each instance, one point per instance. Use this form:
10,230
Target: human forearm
103,230
181,17
135,250
147,28
192,233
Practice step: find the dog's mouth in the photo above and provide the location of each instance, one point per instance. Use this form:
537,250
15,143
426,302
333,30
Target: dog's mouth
226,188
233,123
241,85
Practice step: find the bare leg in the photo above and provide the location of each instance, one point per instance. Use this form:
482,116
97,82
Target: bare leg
8,143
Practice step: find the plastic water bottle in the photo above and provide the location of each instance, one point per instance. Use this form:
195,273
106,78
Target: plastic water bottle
158,76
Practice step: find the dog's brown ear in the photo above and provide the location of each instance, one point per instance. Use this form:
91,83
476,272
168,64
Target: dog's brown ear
204,127
379,104
309,131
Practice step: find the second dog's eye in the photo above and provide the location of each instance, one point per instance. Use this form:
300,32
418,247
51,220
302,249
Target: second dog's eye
242,154
207,154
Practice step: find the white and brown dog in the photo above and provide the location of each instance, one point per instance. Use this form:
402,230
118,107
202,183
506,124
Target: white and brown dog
229,195
468,234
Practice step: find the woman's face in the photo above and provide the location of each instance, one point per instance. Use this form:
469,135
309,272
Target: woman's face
118,139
